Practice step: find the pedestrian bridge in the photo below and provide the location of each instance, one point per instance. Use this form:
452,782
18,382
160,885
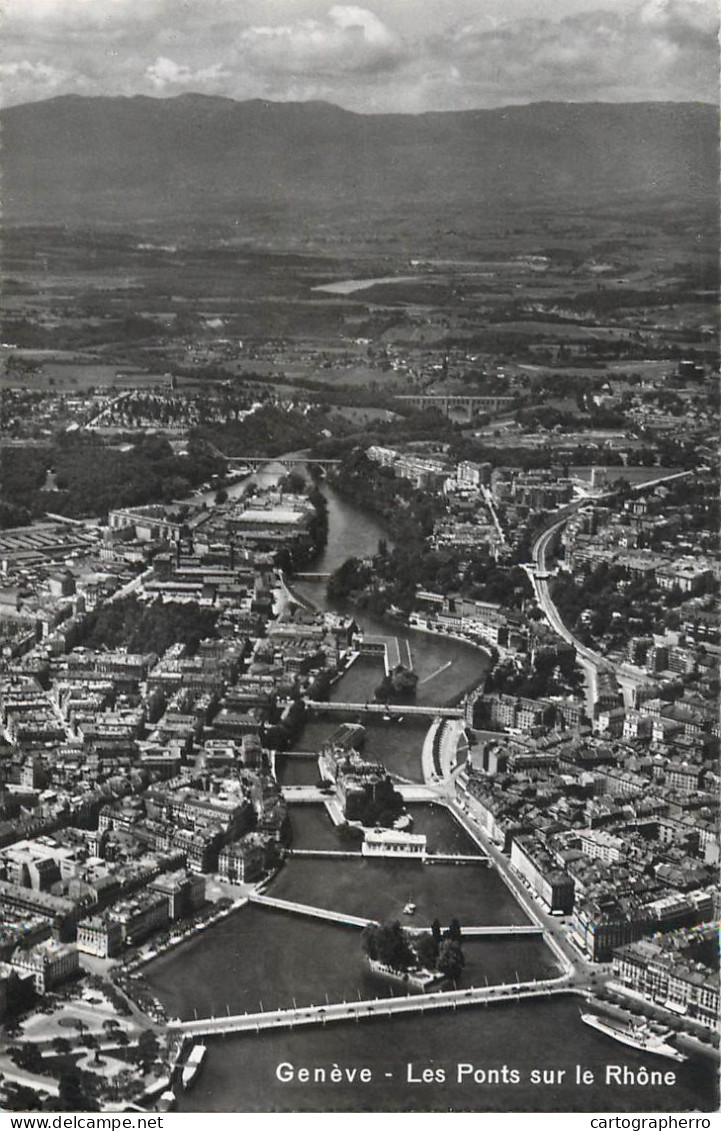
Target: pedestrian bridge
392,709
491,932
308,911
429,858
345,920
363,1009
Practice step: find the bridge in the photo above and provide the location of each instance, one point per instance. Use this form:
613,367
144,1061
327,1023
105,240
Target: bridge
323,853
387,709
429,858
363,1009
255,463
451,858
312,794
307,911
495,932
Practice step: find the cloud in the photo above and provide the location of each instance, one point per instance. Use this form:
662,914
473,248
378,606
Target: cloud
24,79
663,49
455,54
167,76
683,21
348,39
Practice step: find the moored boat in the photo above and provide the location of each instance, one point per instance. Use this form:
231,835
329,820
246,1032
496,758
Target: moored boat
192,1066
639,1036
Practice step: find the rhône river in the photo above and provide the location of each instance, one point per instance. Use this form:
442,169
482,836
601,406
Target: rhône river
261,956
241,1073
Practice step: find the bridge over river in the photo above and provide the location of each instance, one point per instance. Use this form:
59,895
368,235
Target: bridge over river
312,794
388,709
345,920
256,463
430,857
363,1009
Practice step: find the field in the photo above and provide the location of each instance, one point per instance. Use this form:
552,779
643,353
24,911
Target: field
620,288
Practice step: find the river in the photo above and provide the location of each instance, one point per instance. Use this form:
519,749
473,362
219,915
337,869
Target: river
261,956
349,286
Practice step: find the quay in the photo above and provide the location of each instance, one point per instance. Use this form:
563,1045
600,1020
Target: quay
364,1009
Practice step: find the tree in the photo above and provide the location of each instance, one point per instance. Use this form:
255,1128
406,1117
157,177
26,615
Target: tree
427,947
398,686
450,959
147,1050
61,1045
72,1093
20,1098
454,931
388,943
293,483
27,1057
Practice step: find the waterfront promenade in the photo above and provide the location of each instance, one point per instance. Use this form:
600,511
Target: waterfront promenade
368,1008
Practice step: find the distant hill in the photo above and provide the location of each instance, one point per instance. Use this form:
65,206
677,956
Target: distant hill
78,159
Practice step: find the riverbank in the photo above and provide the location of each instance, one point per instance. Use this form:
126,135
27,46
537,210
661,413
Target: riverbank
182,936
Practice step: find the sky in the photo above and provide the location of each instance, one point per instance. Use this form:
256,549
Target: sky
404,56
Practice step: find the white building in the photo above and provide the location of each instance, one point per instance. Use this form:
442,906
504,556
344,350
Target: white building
394,842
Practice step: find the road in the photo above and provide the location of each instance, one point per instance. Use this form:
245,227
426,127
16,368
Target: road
10,1071
363,1009
591,661
582,972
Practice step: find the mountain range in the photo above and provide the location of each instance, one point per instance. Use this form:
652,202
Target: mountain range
76,159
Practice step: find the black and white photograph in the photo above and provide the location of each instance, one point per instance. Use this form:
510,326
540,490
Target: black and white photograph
359,559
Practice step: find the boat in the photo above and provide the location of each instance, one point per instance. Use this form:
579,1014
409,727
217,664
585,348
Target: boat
409,908
639,1036
192,1065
